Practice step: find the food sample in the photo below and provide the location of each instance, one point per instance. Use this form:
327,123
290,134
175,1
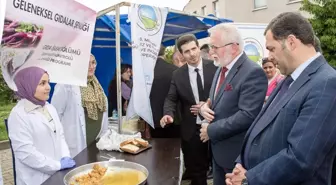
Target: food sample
133,145
110,176
21,35
135,141
130,148
123,177
142,142
92,178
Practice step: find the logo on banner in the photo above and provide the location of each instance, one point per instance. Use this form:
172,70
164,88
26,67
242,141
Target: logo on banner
253,49
150,19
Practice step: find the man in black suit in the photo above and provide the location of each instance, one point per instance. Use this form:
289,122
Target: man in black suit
190,85
163,72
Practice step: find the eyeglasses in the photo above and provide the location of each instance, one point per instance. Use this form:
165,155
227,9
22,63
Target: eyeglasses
217,47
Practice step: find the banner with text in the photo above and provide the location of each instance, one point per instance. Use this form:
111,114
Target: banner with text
2,14
147,26
54,36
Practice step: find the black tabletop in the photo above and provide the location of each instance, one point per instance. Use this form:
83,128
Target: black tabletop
162,161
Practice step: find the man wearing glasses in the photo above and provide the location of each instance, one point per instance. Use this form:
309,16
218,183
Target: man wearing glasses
236,97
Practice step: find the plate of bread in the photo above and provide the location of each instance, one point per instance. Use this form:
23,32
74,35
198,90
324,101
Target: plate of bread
134,145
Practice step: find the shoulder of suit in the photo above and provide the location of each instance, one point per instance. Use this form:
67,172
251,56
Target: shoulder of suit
326,71
180,70
207,61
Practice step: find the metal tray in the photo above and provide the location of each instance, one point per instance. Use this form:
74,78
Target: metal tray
81,170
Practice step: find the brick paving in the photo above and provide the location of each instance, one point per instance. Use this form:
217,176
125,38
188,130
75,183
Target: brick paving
7,168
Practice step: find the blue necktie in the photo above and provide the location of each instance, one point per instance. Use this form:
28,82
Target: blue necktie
284,87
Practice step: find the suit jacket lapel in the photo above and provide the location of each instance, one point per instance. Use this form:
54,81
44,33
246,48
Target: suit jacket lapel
186,82
207,78
213,86
297,84
268,102
232,73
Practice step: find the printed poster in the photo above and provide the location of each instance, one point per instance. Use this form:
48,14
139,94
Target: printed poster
2,14
54,36
147,26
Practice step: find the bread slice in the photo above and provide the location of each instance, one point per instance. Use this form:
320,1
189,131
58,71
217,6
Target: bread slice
128,141
130,148
142,142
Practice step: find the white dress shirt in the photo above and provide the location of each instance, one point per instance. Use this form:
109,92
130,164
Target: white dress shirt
229,67
193,82
297,72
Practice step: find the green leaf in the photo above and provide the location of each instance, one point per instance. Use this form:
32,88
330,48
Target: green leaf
323,20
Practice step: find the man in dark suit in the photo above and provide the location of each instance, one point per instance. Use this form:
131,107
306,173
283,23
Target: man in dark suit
190,85
293,139
163,72
236,97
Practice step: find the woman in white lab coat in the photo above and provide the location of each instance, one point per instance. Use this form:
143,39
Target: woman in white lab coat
35,130
82,110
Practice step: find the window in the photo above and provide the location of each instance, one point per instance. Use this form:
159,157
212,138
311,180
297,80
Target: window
259,3
215,8
204,10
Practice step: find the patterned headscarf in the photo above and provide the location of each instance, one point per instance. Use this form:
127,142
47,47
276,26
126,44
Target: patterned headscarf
93,97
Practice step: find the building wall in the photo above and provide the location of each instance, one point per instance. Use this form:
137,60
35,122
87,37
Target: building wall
243,10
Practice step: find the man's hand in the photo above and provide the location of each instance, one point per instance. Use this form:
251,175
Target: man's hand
236,177
166,120
204,132
196,108
206,112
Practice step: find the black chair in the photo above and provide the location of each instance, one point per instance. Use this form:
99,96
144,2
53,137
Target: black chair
13,157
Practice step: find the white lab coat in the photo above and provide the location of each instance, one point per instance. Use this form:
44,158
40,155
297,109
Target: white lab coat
67,100
37,148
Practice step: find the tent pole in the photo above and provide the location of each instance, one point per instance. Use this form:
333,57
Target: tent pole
112,8
118,66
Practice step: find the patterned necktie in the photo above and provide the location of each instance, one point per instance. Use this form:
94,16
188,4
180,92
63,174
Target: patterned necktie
221,78
201,95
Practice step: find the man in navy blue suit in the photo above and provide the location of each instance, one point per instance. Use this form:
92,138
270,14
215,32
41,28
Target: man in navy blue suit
292,141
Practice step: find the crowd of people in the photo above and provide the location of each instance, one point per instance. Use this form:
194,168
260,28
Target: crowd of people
239,123
259,125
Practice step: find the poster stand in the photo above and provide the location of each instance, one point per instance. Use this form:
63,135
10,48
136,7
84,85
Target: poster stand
116,8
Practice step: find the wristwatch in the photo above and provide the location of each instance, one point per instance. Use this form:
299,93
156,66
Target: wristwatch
244,182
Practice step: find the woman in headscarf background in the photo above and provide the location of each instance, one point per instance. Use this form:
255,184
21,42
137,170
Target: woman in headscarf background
35,130
82,110
273,75
125,90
